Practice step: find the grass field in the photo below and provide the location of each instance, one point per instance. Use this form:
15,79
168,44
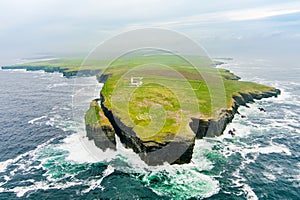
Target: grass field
172,92
173,89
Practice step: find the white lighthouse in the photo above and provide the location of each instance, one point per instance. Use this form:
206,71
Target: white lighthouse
136,81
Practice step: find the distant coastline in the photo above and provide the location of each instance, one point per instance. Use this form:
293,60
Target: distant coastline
68,67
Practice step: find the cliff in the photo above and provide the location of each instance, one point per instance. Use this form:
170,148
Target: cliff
161,116
215,127
159,110
98,127
102,125
174,150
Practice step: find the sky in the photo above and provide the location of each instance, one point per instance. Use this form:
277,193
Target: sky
30,28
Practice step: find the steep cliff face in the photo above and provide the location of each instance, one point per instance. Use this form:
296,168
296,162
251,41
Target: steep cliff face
174,150
178,151
215,127
98,128
103,136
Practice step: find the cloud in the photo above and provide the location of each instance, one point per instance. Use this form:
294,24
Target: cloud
73,25
262,13
236,15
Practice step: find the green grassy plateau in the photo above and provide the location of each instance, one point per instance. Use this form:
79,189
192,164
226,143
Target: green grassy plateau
172,90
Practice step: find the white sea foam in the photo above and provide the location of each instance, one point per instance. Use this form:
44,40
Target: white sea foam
254,150
82,150
250,194
36,119
289,122
97,183
51,183
240,182
19,159
4,164
25,165
54,184
57,85
40,185
269,176
186,179
267,150
246,127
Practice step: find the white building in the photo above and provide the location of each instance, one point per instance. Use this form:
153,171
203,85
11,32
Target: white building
136,81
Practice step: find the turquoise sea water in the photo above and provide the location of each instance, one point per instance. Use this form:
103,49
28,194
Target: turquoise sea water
43,154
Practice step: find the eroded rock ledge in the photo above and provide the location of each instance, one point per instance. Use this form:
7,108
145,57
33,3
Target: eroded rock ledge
174,151
215,127
98,128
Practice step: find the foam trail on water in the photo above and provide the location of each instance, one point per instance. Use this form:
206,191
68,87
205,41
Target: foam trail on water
5,164
81,150
97,183
36,119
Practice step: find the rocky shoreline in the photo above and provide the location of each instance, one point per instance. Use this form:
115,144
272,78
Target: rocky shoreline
176,150
65,71
153,153
173,150
216,127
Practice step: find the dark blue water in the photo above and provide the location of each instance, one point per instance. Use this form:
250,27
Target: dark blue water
44,156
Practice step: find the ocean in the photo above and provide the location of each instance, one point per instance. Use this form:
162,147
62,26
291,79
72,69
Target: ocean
44,154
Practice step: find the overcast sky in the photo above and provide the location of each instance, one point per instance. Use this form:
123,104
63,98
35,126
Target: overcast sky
70,27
